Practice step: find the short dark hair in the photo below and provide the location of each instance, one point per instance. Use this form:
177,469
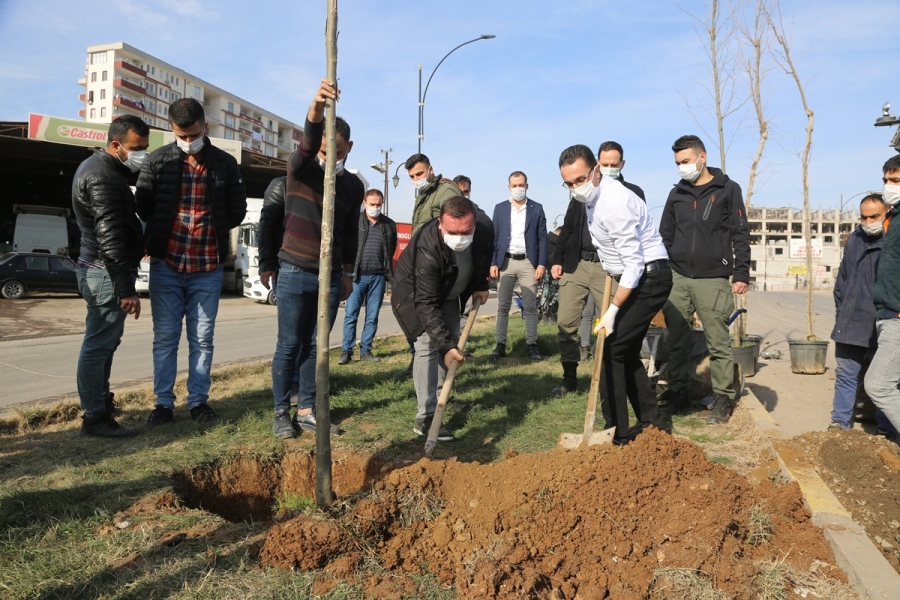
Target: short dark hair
688,142
374,191
517,174
892,164
184,112
610,145
873,197
573,153
457,207
416,159
119,128
342,128
462,179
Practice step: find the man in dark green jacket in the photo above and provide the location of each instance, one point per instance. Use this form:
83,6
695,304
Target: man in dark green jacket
704,228
432,190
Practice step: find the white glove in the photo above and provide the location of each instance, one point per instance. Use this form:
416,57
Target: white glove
607,321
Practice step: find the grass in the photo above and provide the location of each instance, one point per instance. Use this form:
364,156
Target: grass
61,494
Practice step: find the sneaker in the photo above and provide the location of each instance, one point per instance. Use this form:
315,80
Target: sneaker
344,359
586,354
160,415
407,372
722,409
369,356
112,407
305,422
533,352
282,427
835,426
423,426
204,415
499,351
106,427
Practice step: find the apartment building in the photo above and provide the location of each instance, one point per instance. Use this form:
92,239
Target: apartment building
778,246
120,79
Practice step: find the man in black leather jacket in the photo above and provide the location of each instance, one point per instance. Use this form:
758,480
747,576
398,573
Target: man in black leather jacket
111,250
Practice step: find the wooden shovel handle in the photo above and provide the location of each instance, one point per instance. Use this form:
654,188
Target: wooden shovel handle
590,417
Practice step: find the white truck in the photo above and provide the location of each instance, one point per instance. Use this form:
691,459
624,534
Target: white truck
41,229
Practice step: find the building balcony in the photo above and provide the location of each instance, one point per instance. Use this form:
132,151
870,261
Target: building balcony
121,64
247,117
138,106
82,97
82,113
128,85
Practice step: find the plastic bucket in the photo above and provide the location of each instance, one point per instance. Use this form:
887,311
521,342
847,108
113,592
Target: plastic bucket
808,357
744,357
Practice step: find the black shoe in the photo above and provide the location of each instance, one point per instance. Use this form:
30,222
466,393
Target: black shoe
722,409
282,426
107,427
305,422
533,352
674,401
407,372
569,381
160,415
345,358
586,354
112,408
423,426
369,357
204,415
499,351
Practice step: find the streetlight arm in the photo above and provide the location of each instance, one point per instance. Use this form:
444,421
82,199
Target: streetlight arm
481,37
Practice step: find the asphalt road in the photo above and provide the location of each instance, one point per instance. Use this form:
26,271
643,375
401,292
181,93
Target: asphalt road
40,339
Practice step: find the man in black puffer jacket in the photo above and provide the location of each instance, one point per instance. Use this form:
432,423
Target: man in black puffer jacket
111,250
190,194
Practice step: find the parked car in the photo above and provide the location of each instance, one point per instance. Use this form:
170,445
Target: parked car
22,272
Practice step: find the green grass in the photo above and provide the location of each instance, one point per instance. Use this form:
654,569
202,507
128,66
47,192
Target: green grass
60,492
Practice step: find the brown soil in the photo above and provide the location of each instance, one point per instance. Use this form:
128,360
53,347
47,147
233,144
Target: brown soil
596,523
863,471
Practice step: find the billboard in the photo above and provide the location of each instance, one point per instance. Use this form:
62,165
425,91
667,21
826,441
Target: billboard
798,248
93,135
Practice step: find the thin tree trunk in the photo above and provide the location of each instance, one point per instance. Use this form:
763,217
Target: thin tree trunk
324,491
754,73
713,32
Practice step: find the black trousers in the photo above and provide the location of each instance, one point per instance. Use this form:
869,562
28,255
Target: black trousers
623,374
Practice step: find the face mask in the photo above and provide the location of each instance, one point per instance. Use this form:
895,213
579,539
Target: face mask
873,229
518,194
690,173
421,183
338,166
611,172
586,190
192,147
135,159
373,211
458,243
891,194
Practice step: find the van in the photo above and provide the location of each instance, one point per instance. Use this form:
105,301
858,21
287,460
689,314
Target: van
41,229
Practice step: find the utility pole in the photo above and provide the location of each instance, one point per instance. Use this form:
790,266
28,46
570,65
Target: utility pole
383,169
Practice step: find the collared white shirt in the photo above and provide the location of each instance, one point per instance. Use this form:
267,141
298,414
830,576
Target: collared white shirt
517,228
623,232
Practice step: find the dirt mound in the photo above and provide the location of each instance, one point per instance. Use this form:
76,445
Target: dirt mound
602,522
863,471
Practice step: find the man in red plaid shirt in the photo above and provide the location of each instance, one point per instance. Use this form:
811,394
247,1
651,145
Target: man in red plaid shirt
190,194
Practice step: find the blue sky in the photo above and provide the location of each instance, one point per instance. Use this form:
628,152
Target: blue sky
558,73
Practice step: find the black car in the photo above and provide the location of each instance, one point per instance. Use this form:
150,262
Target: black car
22,272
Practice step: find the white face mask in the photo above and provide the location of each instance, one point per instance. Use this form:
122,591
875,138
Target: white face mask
458,243
611,172
517,194
190,147
690,173
586,191
873,229
421,183
891,194
135,159
373,211
338,166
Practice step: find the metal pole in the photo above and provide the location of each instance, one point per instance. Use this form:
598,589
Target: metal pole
387,162
421,111
324,492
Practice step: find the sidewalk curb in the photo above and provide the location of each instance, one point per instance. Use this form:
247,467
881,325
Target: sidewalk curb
868,571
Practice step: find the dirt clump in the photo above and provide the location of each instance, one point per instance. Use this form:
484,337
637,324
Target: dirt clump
596,523
862,472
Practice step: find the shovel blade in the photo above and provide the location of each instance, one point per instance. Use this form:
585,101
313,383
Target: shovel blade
571,441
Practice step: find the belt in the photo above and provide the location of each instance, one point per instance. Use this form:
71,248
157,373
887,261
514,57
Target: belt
656,265
516,256
590,256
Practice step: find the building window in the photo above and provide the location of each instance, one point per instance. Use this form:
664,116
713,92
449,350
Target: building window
93,77
269,137
103,78
231,107
98,58
229,134
779,251
152,70
103,94
102,111
196,91
166,94
270,124
229,121
93,113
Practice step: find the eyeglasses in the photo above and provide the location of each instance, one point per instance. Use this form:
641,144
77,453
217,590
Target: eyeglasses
578,182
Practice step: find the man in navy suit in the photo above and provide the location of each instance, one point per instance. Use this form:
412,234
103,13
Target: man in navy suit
520,255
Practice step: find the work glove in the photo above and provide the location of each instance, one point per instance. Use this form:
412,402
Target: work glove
607,321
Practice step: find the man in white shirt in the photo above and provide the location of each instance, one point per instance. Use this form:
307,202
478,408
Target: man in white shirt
632,252
520,255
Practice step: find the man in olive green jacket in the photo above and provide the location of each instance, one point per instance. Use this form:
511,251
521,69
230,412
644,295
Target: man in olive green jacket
432,190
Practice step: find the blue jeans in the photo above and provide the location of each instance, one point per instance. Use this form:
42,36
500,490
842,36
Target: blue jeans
846,379
103,329
298,300
192,298
883,376
369,291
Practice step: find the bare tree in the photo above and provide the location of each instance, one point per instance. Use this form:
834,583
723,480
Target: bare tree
756,38
784,59
718,30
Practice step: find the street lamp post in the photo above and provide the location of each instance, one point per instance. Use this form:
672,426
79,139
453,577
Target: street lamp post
383,168
422,95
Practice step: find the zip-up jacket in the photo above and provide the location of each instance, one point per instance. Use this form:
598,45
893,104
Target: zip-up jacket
854,290
887,283
705,231
388,243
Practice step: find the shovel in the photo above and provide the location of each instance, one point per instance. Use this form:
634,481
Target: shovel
589,437
431,442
